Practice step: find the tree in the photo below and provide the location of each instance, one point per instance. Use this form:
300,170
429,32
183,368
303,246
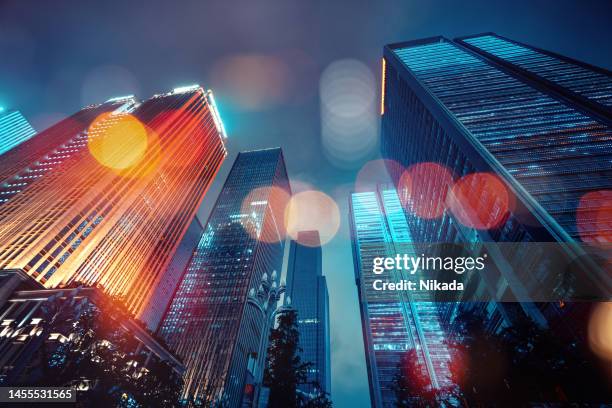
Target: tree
478,365
522,364
411,384
285,370
551,367
321,400
96,349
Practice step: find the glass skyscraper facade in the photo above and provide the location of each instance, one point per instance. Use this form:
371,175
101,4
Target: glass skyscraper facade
160,299
307,289
212,324
104,197
535,120
393,322
14,129
32,159
519,115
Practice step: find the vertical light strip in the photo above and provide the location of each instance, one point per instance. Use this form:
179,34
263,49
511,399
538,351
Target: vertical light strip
382,96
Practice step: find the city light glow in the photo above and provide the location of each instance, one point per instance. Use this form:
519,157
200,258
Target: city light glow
600,330
185,89
423,189
594,216
479,200
312,210
117,141
382,87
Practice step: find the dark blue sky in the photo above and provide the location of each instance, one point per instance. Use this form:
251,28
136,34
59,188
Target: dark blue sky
264,60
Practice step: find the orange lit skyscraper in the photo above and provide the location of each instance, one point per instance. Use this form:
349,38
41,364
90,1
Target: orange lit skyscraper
105,196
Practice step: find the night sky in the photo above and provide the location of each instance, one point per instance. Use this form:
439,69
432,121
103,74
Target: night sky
264,60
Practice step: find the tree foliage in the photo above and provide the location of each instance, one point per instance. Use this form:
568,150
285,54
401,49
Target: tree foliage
285,370
100,355
522,364
412,385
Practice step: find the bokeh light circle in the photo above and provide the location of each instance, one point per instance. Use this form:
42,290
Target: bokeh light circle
349,116
117,141
263,213
594,217
252,82
479,200
423,189
312,211
600,330
375,173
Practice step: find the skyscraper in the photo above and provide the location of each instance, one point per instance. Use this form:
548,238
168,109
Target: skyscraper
14,129
307,289
214,322
161,297
393,322
536,119
104,197
38,156
535,124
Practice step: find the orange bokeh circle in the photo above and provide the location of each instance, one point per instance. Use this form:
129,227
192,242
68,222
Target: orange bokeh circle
263,213
423,188
594,217
312,211
480,201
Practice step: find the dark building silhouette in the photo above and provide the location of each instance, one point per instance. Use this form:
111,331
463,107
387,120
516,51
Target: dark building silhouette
29,322
307,289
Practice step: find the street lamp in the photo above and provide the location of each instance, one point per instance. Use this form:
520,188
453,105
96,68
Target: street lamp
265,299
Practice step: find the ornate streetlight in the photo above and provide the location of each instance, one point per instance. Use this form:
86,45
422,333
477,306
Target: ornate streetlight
265,299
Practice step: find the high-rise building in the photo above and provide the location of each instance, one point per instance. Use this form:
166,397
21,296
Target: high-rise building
307,289
214,323
14,129
162,295
394,322
105,196
537,122
485,103
38,156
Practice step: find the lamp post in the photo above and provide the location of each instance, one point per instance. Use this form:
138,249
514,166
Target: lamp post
265,299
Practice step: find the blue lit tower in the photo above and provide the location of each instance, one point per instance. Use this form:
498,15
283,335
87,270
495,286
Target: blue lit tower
211,324
14,129
393,322
539,121
307,288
